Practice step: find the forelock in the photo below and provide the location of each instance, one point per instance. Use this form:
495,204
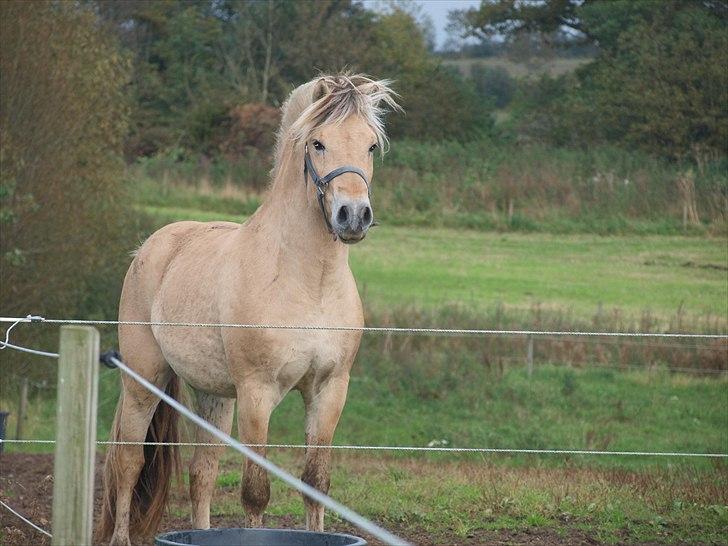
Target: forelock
345,95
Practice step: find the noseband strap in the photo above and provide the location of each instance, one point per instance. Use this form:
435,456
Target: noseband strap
322,183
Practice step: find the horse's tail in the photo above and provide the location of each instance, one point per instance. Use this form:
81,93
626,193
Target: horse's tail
149,496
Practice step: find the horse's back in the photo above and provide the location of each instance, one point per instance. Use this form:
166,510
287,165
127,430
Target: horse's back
153,259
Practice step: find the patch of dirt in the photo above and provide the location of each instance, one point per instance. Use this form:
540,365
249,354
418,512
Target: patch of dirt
26,484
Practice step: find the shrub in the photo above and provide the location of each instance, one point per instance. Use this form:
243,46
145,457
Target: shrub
251,125
665,86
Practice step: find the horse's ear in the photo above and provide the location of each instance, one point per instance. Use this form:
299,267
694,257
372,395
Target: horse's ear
321,90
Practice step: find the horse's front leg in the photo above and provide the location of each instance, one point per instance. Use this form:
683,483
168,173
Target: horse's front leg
324,403
255,405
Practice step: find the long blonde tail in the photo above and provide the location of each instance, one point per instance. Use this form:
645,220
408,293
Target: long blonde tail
149,497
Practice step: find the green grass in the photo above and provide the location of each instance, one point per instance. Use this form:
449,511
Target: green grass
464,497
464,500
558,408
634,274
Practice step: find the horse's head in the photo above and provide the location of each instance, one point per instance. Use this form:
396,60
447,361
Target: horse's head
345,150
339,132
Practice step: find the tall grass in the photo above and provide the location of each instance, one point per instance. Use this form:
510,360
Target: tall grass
431,366
490,185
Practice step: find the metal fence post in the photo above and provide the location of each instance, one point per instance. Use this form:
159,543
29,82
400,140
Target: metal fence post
78,377
529,357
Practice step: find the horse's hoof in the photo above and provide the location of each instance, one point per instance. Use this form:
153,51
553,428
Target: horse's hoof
120,541
253,522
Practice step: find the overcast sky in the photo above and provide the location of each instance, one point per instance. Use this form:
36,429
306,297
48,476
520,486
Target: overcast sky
437,10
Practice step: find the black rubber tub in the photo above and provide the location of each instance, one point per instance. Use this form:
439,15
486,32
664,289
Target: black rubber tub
256,537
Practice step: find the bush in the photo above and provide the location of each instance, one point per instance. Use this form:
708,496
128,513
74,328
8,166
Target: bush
658,84
485,184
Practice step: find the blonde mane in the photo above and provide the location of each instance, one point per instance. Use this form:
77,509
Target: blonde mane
330,99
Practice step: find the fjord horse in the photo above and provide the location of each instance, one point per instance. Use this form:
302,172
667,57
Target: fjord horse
286,265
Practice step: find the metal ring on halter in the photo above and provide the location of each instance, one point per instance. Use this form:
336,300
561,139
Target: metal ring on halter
322,183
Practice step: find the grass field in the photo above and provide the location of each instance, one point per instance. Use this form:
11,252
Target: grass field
443,502
460,502
557,408
635,274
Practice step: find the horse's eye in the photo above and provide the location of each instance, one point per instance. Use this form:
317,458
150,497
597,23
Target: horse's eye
372,147
320,147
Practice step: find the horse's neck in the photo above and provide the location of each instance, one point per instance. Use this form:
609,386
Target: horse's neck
295,226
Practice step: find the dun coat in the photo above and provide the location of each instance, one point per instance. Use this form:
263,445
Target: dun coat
286,265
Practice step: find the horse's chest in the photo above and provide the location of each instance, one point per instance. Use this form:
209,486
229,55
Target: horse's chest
306,354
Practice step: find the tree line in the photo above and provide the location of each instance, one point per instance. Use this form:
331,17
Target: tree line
195,62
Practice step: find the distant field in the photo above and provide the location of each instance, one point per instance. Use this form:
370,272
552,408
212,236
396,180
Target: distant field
578,272
431,267
555,67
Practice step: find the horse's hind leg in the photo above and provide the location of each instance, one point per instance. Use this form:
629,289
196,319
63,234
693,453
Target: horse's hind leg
135,413
203,468
324,403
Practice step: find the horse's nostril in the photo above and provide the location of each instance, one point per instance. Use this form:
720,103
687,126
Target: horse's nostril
343,215
367,216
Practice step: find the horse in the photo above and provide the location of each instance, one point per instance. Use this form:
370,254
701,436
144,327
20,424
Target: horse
286,265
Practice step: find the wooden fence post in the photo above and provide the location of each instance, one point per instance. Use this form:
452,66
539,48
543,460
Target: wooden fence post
529,357
73,488
22,408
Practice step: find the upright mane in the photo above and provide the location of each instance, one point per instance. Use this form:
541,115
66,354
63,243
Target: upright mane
330,99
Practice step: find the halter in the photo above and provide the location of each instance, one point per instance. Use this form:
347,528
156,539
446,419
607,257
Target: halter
322,183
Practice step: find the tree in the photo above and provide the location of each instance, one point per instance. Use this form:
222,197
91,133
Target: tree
438,102
63,116
664,86
195,61
599,22
512,17
658,81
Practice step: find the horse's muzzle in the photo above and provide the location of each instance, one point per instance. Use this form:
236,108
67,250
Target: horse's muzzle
351,218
